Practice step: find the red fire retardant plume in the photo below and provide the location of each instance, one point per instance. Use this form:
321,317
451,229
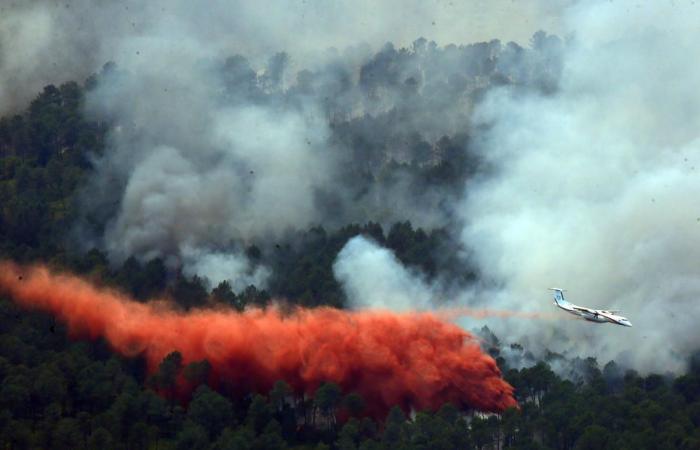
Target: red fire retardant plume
415,360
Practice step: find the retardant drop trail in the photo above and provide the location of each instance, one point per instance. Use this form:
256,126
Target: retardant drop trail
415,360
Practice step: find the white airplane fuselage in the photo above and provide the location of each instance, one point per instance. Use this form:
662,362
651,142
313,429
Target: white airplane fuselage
592,315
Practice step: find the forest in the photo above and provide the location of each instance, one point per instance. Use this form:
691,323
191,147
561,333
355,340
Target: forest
61,393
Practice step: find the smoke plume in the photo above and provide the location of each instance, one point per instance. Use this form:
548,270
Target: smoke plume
596,186
373,278
413,360
233,123
591,188
43,41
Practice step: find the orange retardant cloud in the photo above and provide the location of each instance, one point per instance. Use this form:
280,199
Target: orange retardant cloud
415,360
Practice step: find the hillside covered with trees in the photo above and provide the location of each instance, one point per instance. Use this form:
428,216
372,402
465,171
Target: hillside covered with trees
64,394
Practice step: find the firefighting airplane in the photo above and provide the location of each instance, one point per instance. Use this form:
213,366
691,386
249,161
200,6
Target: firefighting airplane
593,315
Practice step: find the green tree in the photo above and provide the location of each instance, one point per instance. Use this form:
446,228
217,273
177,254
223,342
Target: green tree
100,439
349,436
241,438
189,293
191,437
50,385
326,399
270,438
153,279
197,372
15,396
279,393
67,434
259,413
168,371
17,434
354,404
594,437
224,295
393,432
210,410
140,436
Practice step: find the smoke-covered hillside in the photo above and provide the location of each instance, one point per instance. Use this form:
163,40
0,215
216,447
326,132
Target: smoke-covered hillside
232,143
284,225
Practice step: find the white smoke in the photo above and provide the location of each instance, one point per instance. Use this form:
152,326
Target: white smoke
372,277
44,41
229,266
594,190
207,150
199,175
597,186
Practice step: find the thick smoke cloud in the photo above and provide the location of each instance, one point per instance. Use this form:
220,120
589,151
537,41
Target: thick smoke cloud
210,152
596,187
217,141
219,265
43,41
593,188
199,171
242,173
372,277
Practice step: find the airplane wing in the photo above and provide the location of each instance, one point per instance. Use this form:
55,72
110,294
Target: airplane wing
588,310
609,315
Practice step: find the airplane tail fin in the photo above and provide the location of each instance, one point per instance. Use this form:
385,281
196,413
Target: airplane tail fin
559,296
